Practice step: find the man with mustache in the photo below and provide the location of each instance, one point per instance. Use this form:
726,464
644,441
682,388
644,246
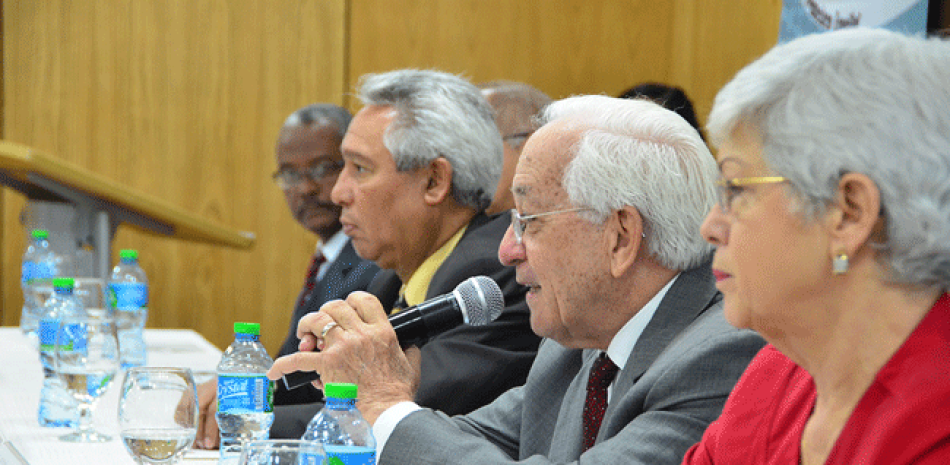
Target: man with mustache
308,164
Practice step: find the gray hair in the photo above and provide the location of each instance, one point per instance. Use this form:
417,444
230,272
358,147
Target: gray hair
440,115
637,153
858,100
322,114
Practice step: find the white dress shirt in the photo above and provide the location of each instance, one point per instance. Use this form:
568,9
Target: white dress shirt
330,249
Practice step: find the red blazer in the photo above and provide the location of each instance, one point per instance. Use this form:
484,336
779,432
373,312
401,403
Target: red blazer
903,418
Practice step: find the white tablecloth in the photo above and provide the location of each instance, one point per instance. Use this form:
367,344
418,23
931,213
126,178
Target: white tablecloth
21,378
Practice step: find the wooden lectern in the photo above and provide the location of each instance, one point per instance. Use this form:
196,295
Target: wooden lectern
97,205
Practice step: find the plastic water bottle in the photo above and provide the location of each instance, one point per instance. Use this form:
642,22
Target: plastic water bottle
57,406
40,265
128,290
245,395
346,436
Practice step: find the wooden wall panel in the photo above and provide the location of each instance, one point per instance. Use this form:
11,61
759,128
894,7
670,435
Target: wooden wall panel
181,100
715,39
566,47
563,47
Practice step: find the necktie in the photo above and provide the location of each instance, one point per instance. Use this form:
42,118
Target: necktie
601,375
317,260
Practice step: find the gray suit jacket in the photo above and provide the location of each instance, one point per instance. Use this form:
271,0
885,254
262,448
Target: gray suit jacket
675,383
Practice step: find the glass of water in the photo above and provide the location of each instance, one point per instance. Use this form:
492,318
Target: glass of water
86,358
93,294
282,452
158,413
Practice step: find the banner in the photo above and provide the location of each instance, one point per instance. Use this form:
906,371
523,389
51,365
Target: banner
803,17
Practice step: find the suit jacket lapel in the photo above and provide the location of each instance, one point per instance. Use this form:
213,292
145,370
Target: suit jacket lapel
691,294
334,281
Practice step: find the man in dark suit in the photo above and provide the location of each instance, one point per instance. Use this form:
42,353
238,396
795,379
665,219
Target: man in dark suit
637,357
422,160
308,163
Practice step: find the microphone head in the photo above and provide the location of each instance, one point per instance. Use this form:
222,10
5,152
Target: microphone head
481,300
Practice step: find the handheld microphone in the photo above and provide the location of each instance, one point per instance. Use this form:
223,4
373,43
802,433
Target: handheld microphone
476,301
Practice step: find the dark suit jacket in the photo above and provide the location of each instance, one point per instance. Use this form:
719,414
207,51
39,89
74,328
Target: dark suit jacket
674,384
469,366
346,274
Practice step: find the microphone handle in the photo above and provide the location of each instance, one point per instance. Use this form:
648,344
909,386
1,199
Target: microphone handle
416,324
412,325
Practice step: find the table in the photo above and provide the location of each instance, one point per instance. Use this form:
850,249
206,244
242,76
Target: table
21,378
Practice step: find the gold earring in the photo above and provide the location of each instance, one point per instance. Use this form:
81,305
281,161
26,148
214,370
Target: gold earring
839,264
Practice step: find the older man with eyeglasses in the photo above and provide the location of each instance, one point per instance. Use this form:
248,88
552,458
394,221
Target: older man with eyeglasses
637,358
308,164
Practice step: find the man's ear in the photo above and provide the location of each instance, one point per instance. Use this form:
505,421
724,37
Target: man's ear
855,216
624,239
439,182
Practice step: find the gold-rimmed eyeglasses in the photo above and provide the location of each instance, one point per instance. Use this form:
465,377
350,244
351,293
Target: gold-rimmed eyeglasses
519,222
730,189
287,178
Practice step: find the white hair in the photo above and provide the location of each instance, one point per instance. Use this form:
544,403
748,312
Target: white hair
869,101
637,153
440,115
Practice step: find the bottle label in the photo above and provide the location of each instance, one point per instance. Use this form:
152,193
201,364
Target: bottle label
38,272
245,394
26,272
72,336
350,455
311,459
128,295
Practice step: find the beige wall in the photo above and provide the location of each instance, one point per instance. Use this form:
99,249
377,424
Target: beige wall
182,100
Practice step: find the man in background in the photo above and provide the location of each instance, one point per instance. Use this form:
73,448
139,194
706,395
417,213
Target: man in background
515,104
308,163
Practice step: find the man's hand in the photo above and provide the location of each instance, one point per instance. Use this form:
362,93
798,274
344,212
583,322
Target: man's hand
360,347
207,436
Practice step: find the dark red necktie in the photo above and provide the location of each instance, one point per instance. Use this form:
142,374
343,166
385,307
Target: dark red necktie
317,260
601,375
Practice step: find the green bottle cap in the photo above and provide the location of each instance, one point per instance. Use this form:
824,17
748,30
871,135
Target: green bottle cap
340,390
64,282
40,234
254,329
129,253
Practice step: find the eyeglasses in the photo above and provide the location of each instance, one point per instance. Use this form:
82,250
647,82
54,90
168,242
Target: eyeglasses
520,223
515,137
288,178
730,189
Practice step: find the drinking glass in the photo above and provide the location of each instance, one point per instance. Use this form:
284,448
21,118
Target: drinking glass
93,294
282,452
158,413
86,358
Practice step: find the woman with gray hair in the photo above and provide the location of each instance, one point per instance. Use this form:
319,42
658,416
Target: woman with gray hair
833,242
